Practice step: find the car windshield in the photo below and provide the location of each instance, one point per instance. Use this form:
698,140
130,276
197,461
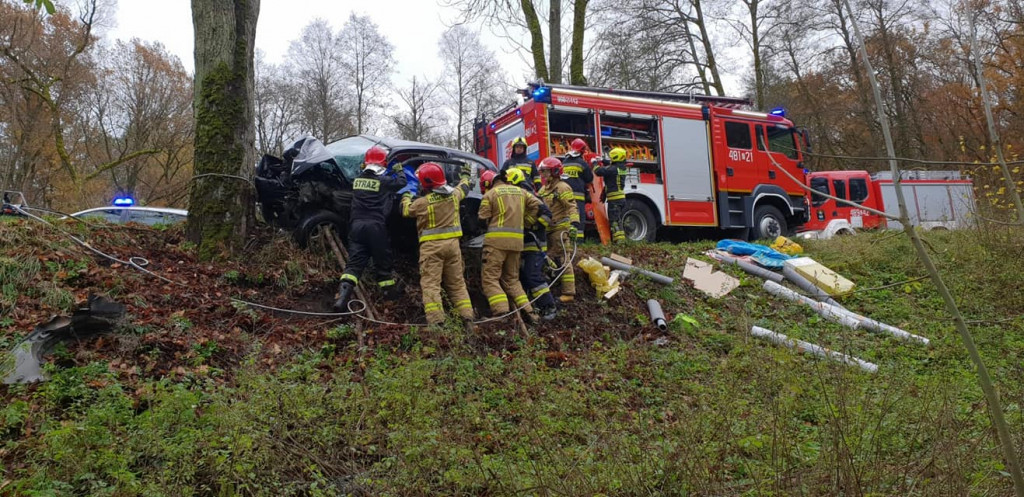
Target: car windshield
348,153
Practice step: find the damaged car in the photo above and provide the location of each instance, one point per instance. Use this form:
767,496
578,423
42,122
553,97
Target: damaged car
310,187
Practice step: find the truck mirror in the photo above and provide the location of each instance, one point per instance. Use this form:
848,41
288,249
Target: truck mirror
805,137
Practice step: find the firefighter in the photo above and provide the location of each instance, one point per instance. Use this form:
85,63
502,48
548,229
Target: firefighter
614,175
506,209
437,222
518,160
373,195
579,175
560,198
531,273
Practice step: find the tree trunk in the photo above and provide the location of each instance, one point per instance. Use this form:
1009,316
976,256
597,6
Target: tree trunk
755,43
540,67
709,52
579,12
555,34
221,207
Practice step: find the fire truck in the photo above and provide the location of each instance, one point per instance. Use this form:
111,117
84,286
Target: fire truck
696,161
935,200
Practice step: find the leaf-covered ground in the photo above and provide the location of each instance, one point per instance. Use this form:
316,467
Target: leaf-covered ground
199,396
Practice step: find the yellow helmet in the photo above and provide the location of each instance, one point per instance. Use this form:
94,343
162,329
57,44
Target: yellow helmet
519,141
617,154
514,176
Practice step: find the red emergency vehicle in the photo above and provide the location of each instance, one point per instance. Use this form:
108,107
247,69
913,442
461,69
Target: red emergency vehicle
698,161
935,200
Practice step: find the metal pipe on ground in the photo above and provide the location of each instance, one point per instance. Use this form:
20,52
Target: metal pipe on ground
806,285
752,268
659,278
827,311
818,350
657,315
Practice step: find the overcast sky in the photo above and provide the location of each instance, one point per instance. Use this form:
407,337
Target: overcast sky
413,27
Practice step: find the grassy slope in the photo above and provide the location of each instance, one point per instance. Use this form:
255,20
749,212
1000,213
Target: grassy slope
707,411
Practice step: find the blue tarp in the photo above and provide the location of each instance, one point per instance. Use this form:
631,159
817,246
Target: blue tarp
765,256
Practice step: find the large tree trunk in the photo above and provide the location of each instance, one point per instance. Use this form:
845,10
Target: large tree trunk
709,52
540,67
555,34
221,207
755,43
579,12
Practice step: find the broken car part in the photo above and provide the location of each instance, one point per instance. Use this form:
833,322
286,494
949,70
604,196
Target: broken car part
100,315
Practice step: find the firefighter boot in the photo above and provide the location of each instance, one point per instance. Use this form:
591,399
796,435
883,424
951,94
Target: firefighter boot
341,305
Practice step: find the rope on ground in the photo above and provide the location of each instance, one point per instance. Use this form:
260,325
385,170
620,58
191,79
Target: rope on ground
304,313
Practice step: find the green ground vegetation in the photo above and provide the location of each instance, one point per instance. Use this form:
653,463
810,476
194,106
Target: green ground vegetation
702,410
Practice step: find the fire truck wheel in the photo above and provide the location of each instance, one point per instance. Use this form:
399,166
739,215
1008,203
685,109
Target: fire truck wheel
311,232
638,221
768,223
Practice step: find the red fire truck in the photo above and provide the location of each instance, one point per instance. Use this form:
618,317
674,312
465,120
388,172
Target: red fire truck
935,200
697,161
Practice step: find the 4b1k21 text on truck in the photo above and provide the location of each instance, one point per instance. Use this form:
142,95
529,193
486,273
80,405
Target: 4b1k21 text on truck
698,161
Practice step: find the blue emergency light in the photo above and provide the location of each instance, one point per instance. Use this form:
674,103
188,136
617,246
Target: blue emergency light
778,111
542,94
124,201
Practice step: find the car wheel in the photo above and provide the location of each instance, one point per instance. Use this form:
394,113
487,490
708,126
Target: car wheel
769,223
638,222
311,232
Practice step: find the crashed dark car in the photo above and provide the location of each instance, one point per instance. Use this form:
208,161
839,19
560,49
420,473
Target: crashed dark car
310,187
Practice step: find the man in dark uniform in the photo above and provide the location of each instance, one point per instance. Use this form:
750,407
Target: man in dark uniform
519,161
579,176
373,196
614,176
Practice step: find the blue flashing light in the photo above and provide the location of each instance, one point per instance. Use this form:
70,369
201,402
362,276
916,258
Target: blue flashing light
124,201
493,125
807,171
519,112
542,94
778,111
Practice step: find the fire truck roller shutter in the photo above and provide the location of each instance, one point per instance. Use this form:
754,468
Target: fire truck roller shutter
687,163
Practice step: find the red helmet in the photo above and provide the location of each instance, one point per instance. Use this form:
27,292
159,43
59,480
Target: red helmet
431,175
552,164
578,145
486,180
376,156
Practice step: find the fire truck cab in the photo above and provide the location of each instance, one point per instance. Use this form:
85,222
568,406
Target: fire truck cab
697,161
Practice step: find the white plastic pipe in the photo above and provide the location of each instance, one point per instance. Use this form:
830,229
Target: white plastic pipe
848,316
827,311
810,348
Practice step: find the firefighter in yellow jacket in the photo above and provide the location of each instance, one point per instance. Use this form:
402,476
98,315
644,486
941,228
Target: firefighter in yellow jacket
559,197
437,222
506,209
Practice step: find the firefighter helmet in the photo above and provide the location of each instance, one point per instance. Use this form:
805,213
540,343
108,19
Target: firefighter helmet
514,176
486,180
577,146
518,141
376,156
552,164
430,175
617,154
